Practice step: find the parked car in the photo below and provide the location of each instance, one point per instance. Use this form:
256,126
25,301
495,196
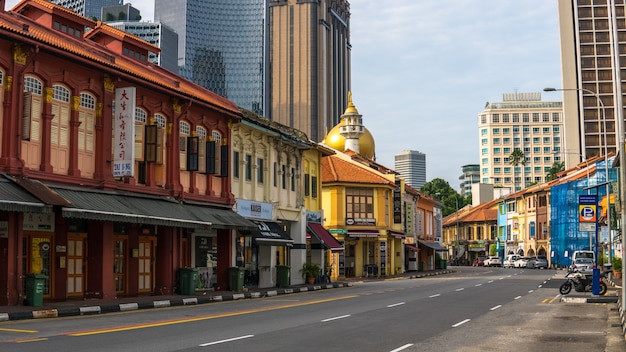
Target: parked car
538,262
479,261
583,265
493,261
510,259
520,262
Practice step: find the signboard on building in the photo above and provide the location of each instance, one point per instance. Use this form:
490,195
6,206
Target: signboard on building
255,210
587,212
361,221
124,132
397,203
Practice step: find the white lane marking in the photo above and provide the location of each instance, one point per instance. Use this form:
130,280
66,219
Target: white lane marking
227,340
435,295
496,307
490,281
518,297
395,305
402,347
592,332
531,291
478,285
460,323
460,289
501,278
335,318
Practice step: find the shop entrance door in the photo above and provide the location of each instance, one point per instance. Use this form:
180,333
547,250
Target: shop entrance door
76,251
146,263
119,263
38,258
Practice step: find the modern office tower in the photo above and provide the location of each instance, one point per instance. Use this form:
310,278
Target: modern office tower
310,55
125,12
221,46
87,8
471,175
157,34
521,121
411,165
589,72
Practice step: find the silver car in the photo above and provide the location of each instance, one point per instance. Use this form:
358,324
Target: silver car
583,265
538,262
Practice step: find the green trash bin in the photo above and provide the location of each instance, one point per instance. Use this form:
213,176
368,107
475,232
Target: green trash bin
188,280
34,289
283,276
235,278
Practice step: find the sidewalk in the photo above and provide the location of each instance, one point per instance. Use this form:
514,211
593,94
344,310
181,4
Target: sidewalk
73,307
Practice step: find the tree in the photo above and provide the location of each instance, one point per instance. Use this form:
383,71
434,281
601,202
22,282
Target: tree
516,159
554,170
440,189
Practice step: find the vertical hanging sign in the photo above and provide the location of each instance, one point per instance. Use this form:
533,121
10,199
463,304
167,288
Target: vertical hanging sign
124,132
587,215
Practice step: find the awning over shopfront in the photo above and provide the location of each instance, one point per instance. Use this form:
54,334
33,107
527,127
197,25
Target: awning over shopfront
396,234
436,246
271,234
324,236
221,218
363,233
129,209
15,198
412,247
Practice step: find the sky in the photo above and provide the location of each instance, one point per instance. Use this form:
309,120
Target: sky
422,70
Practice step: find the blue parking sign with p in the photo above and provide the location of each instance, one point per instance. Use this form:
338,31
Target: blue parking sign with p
587,206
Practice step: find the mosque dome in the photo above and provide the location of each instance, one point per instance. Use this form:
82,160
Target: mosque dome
335,140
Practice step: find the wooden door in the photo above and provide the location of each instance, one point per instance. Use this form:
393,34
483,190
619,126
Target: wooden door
146,263
75,263
120,267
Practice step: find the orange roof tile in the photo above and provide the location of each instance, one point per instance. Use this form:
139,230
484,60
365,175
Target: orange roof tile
336,169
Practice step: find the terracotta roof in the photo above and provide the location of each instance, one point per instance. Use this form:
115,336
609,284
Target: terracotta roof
487,211
337,169
32,31
121,36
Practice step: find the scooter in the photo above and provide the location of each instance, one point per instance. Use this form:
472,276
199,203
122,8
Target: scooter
581,283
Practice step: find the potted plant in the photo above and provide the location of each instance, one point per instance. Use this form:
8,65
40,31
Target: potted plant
310,271
617,267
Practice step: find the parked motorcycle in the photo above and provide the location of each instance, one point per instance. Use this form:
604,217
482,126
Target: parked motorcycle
581,283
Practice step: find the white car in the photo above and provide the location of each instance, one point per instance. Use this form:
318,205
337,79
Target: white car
583,265
520,262
510,260
493,261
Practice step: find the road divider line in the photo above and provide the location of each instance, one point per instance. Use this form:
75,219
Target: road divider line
227,340
460,323
18,330
435,295
395,305
496,307
335,318
518,297
201,318
531,291
402,347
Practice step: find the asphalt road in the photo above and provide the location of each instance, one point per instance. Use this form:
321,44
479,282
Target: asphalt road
475,309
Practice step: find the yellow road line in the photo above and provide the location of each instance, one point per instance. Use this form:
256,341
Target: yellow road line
17,330
29,340
206,317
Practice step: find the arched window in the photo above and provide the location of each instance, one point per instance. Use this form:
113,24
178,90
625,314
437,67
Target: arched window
86,134
31,122
59,129
202,133
184,133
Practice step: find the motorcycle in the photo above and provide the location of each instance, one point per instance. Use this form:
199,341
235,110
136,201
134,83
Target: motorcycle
581,283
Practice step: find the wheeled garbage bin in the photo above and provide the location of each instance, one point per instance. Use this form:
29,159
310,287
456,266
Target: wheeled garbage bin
235,278
283,277
188,280
34,289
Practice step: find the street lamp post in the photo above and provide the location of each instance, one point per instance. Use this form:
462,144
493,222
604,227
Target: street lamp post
595,289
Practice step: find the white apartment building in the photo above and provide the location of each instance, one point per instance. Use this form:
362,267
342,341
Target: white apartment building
521,121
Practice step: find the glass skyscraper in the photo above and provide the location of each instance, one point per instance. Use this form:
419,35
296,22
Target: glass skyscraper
221,46
87,8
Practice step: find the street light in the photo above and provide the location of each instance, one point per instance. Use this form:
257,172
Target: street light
596,271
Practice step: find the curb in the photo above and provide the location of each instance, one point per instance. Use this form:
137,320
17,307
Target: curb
124,307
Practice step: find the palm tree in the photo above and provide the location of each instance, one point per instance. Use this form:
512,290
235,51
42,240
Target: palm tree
554,170
517,158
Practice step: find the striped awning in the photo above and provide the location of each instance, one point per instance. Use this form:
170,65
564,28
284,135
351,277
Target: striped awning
15,198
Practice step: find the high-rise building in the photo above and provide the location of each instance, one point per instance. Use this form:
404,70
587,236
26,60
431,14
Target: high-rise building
589,74
411,165
221,46
310,55
520,122
471,175
157,34
87,8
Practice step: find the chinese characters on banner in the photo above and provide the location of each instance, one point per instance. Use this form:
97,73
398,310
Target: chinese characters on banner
124,132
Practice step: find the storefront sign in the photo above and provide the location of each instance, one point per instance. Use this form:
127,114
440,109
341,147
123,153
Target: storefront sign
361,221
124,132
255,210
38,222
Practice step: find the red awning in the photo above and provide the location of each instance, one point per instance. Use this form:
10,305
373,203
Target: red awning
363,233
412,247
324,236
396,234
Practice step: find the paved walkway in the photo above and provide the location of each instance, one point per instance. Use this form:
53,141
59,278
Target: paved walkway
73,307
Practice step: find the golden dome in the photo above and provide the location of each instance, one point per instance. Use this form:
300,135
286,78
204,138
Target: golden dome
335,140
